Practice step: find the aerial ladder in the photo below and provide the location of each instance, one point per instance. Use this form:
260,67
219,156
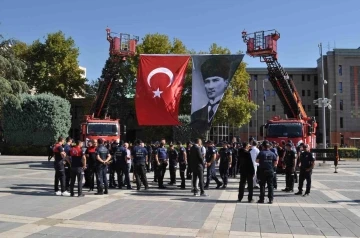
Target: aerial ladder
263,44
97,123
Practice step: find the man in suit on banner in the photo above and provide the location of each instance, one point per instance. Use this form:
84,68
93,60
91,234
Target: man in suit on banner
215,74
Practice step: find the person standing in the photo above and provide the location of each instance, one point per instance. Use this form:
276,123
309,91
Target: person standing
267,162
274,150
140,158
120,162
225,156
67,148
234,159
112,164
78,165
173,160
60,157
307,162
149,164
127,167
188,171
90,154
254,152
290,163
103,157
182,159
211,155
154,166
247,172
197,166
162,162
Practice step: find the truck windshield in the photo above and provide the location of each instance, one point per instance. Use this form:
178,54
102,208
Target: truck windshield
284,130
102,129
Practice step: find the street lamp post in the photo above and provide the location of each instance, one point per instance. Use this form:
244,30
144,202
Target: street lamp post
330,127
323,96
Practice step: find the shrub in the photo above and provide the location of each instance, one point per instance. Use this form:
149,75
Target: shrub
39,120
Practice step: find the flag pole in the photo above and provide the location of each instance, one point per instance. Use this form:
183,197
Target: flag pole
263,109
257,112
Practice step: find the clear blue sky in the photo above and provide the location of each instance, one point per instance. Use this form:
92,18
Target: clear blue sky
302,24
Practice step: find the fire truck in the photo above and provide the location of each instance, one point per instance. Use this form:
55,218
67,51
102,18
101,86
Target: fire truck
98,124
297,126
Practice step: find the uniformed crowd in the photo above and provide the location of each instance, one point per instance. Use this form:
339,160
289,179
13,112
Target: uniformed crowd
256,163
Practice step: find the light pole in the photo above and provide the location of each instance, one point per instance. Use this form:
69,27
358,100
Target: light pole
330,127
323,96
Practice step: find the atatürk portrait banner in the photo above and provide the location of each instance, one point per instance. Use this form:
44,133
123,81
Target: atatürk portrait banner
211,75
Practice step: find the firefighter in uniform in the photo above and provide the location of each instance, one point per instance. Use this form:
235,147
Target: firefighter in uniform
112,164
59,160
211,155
140,158
188,171
267,162
182,159
154,166
90,154
67,148
307,162
290,163
173,160
102,160
162,162
225,156
78,164
120,161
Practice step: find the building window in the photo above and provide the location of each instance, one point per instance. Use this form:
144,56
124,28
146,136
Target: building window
341,122
309,92
315,80
341,105
303,93
273,93
308,77
302,77
250,123
309,108
340,87
304,106
267,108
273,108
316,111
255,77
316,95
267,93
340,70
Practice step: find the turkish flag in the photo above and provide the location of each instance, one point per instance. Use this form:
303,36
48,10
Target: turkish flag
160,80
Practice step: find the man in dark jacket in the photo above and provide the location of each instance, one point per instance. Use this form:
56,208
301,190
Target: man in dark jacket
196,163
247,172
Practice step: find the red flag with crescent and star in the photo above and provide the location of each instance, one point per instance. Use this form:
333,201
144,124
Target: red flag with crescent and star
159,85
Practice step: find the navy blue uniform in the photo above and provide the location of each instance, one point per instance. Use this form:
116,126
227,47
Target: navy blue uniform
188,171
247,172
139,154
67,149
112,166
289,159
306,161
154,164
148,165
182,165
101,169
225,154
234,161
266,173
173,156
275,151
122,167
163,160
210,170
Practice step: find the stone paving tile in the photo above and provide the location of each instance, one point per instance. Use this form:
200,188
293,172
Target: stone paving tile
6,226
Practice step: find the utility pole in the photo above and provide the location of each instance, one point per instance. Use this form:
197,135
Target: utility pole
323,97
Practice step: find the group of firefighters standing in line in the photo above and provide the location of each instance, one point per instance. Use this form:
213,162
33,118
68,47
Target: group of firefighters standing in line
256,163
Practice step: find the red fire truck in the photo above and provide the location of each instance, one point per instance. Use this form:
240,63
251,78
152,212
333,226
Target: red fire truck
297,126
98,124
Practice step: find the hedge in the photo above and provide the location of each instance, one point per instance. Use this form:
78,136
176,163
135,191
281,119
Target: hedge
349,153
24,150
39,120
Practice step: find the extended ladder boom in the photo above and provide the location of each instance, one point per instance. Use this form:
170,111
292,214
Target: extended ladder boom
264,46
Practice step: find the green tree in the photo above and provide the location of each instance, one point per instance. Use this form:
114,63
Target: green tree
52,66
11,74
38,120
235,107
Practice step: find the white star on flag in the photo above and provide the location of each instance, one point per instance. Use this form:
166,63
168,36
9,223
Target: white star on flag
157,93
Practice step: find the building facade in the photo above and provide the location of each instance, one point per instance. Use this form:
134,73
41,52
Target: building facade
342,73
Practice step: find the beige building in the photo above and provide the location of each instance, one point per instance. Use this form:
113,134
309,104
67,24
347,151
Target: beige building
342,73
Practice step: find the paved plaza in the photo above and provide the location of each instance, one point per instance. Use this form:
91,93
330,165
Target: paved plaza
28,208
